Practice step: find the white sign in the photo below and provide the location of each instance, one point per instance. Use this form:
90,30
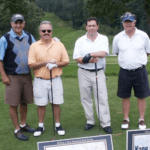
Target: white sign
138,140
83,146
84,143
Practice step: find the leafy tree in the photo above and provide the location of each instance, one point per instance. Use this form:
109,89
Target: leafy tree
110,11
69,10
32,14
77,14
4,20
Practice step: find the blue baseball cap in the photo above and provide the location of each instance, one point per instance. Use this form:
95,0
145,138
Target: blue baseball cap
17,17
129,17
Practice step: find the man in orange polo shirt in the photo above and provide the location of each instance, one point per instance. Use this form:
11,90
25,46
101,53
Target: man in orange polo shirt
46,55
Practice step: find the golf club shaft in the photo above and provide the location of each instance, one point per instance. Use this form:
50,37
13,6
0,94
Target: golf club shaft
52,101
97,95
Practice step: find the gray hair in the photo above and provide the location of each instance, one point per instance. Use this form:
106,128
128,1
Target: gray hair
45,22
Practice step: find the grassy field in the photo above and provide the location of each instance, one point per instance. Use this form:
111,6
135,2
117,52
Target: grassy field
72,118
72,114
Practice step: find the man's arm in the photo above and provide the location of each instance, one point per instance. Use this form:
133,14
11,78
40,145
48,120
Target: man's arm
62,64
100,54
38,65
3,46
115,49
5,78
92,60
91,57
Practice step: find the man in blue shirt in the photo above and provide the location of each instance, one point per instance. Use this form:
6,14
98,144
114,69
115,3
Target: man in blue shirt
16,74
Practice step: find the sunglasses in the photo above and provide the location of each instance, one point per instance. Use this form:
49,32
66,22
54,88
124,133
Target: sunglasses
49,31
132,16
128,15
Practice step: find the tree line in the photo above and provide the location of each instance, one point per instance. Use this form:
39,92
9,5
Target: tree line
76,12
108,12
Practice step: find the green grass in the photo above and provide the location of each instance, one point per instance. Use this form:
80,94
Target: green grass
72,113
72,118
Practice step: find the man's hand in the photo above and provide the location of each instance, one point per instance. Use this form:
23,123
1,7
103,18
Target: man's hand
50,66
5,80
56,39
94,60
86,58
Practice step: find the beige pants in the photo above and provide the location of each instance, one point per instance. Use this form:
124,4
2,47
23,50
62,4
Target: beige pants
87,83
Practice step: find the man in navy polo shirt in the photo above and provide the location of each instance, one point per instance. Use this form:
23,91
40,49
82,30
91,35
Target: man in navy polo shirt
16,74
132,47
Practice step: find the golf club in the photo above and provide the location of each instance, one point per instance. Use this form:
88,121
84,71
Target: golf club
97,96
52,104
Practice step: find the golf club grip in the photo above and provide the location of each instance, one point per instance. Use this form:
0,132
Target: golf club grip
51,85
50,74
96,68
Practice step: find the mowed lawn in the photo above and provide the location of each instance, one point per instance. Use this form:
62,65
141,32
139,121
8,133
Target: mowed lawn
72,117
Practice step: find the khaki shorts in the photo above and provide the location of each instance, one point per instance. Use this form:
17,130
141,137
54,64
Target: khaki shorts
42,91
20,90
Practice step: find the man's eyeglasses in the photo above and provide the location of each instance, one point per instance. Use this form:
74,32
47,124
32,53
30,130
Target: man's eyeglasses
129,15
49,31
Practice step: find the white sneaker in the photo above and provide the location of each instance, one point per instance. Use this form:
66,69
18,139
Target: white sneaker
39,131
125,124
60,130
142,125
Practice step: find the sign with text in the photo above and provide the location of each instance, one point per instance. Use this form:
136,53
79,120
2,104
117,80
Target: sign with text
85,143
138,140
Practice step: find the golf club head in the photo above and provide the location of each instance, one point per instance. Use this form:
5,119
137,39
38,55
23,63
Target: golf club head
52,139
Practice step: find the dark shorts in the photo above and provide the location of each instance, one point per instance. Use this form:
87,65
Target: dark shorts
20,90
137,79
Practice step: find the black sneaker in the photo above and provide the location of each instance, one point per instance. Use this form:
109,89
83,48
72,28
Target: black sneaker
108,129
27,129
39,131
19,135
60,130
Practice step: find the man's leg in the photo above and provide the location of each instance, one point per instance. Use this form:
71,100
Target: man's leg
14,116
142,90
57,113
23,113
104,113
41,113
102,106
85,86
141,107
126,107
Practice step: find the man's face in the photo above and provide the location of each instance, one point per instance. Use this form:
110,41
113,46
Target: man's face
128,25
92,27
18,26
45,31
